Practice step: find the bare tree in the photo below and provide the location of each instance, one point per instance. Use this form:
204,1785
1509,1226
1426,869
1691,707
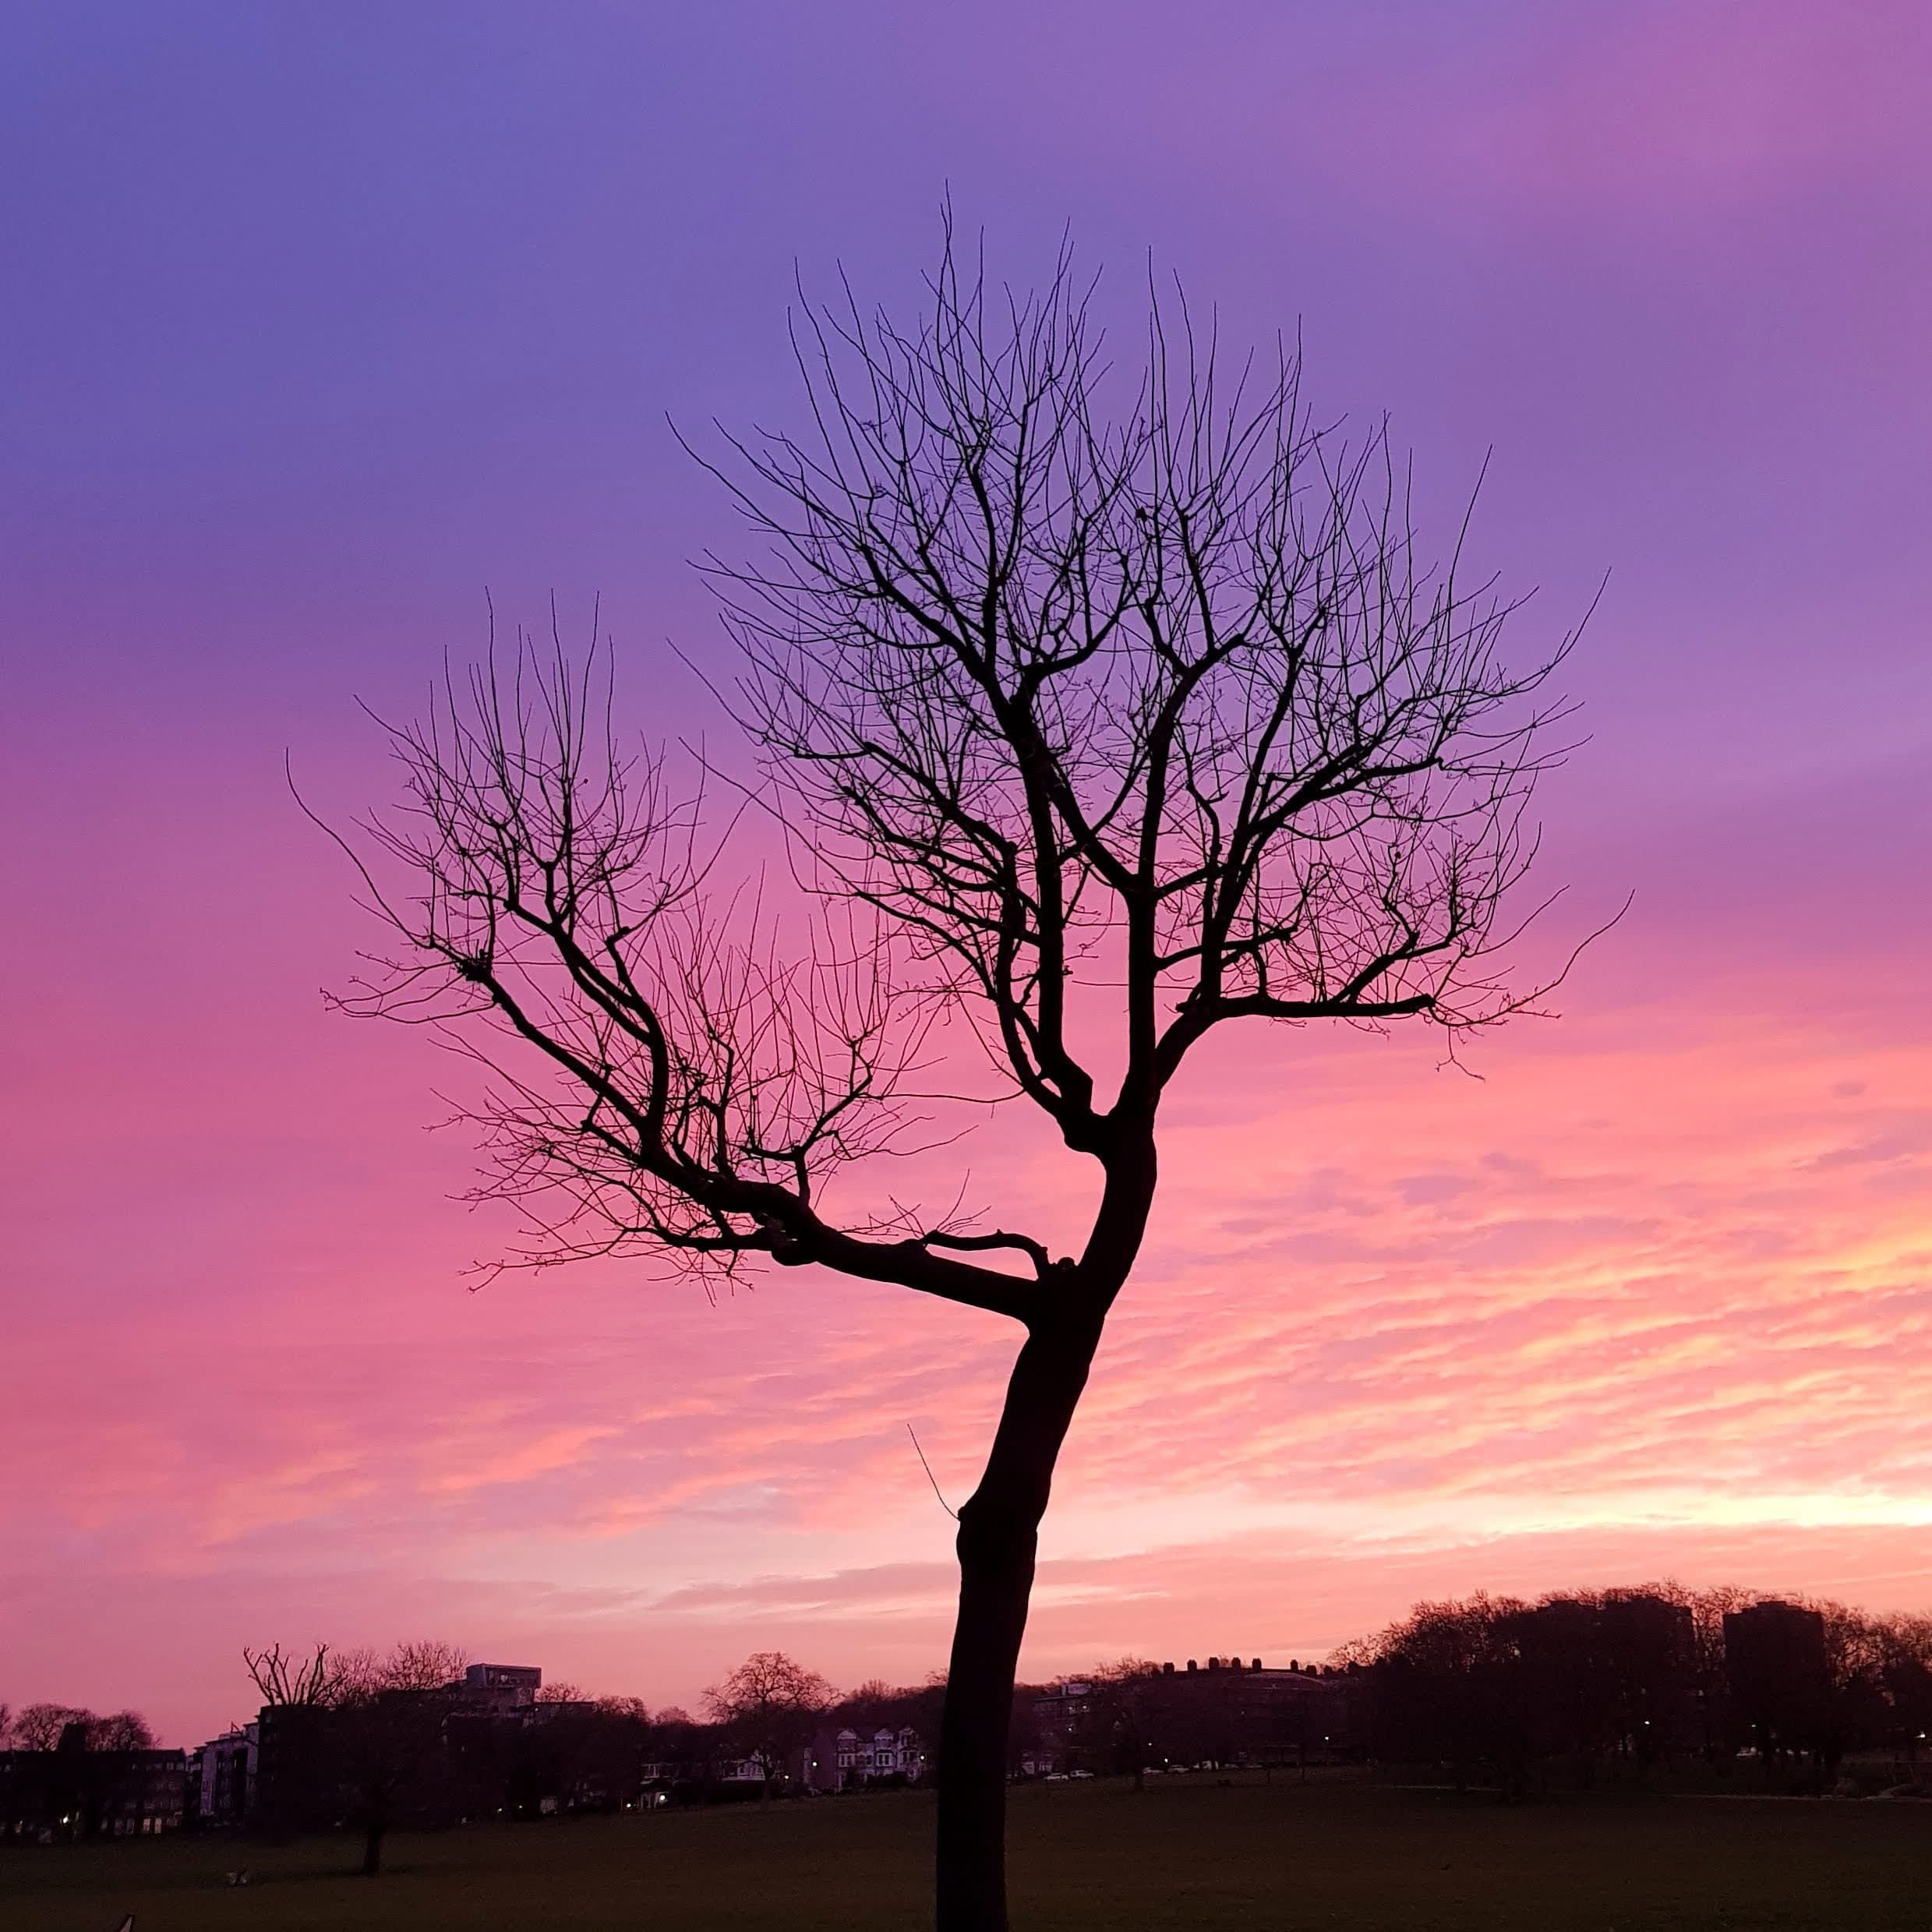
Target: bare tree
365,1723
1123,1701
6,1722
1098,716
769,1706
428,1664
39,1726
122,1731
386,1724
297,1788
315,1680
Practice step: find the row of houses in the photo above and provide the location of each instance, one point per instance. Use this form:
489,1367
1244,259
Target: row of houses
844,1759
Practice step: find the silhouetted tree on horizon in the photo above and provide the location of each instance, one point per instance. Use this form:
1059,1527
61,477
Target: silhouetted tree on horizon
1628,1680
769,1707
387,1722
1122,1695
293,1679
38,1727
367,1724
1092,709
47,1726
120,1731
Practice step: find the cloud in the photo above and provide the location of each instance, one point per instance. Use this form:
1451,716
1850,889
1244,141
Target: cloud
1643,1297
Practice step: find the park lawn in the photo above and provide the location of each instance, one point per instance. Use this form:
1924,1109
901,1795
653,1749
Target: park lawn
1189,1853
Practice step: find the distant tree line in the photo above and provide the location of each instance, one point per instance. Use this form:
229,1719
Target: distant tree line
1576,1688
1584,1685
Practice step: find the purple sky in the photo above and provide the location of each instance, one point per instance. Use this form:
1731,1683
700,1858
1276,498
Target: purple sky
320,320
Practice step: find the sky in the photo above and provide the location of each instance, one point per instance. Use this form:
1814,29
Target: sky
324,324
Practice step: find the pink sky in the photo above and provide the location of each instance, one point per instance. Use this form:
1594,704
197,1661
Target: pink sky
330,327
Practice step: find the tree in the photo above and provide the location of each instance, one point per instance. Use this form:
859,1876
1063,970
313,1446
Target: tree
125,1731
295,1789
39,1726
1903,1645
1123,1702
679,1745
1098,718
1451,1686
285,1681
387,1723
427,1665
581,1754
355,1727
770,1706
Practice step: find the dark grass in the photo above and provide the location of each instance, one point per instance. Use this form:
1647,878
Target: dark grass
1188,1854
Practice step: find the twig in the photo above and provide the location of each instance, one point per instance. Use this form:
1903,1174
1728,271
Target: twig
930,1477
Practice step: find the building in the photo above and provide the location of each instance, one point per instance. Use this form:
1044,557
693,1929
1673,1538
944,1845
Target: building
1228,1712
72,1793
1231,1712
1613,1676
221,1775
500,1691
142,1791
848,1757
1779,1675
1060,1730
294,1788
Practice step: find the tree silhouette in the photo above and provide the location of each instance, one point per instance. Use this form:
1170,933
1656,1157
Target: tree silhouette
1093,713
292,1680
769,1707
353,1726
385,1727
121,1731
1123,1701
39,1726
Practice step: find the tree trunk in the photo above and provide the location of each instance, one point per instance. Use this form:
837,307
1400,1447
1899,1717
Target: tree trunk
998,1536
371,1851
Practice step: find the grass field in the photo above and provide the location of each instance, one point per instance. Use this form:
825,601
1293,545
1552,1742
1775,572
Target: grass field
1185,1854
